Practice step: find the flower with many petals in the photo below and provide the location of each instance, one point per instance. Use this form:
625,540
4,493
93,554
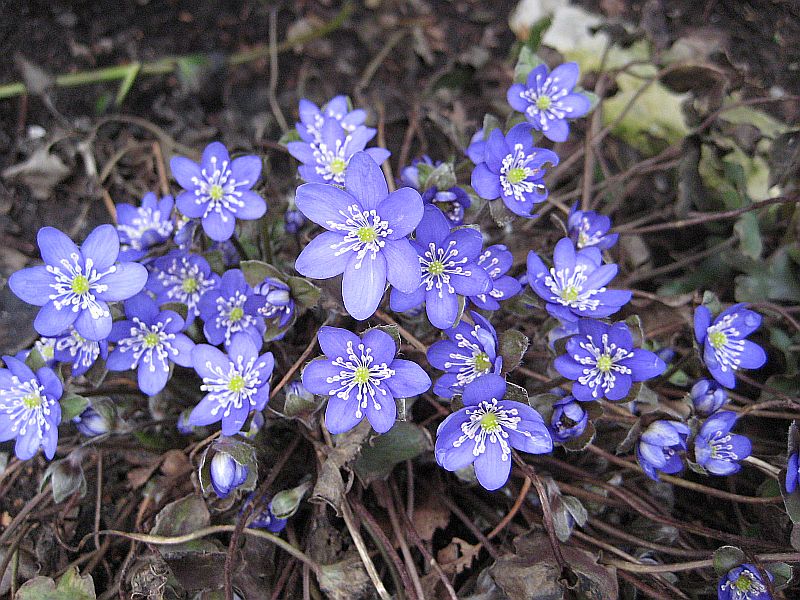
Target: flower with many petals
365,238
29,408
140,228
218,190
469,352
184,278
575,286
588,229
496,260
235,383
513,170
743,583
725,348
225,311
72,348
603,363
485,431
312,118
448,259
717,449
148,340
547,100
659,448
362,377
76,284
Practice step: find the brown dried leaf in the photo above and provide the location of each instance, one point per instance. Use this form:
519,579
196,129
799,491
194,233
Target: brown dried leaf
457,556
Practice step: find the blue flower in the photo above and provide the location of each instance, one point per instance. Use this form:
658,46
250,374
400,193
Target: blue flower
792,472
589,229
365,238
568,421
91,423
236,383
717,449
272,299
602,361
72,348
449,269
485,431
148,340
575,286
225,311
469,353
547,101
263,517
707,397
514,170
361,376
75,285
182,277
141,228
743,583
218,190
659,447
327,160
29,408
725,348
312,118
452,201
496,261
293,221
476,151
226,474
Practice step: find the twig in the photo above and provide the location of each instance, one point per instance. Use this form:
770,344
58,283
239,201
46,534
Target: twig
408,137
403,331
386,166
161,168
523,493
347,514
696,564
108,202
679,264
273,72
381,488
482,539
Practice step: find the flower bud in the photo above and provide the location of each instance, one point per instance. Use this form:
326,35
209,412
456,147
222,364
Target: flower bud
708,397
91,423
293,221
568,421
226,474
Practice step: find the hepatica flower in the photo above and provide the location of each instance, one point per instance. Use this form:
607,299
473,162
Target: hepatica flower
338,109
792,472
226,474
225,311
568,421
29,408
717,449
182,277
575,286
589,229
449,269
547,100
75,284
272,299
327,160
218,190
486,429
365,238
235,383
513,170
659,448
469,352
74,349
362,378
725,348
496,260
603,363
743,583
148,340
140,228
707,397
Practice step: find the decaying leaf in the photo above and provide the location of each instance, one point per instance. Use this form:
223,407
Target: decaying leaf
42,172
71,586
457,556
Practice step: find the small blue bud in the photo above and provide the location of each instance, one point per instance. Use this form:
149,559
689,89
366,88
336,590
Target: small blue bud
708,397
226,474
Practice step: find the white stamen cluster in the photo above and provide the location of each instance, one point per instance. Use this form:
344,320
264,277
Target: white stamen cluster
721,448
488,421
149,344
471,362
146,219
76,283
365,232
231,316
218,190
331,162
78,346
723,337
544,101
745,587
27,406
567,288
439,264
516,176
602,366
185,282
359,372
232,388
586,239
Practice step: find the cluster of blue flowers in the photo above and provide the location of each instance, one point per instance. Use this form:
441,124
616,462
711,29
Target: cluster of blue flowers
412,240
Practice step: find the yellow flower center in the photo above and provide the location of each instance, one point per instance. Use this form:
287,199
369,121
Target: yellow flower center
482,362
236,314
47,352
189,285
604,363
543,102
32,401
236,384
151,340
436,267
80,285
718,339
743,583
338,166
361,375
516,175
367,234
489,422
216,192
570,293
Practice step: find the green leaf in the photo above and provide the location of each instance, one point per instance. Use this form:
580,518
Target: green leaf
747,229
71,406
393,331
255,271
711,302
66,478
778,281
304,292
538,29
517,393
127,82
490,123
513,345
177,307
71,586
286,502
181,517
402,442
289,136
527,61
442,177
727,558
782,573
35,360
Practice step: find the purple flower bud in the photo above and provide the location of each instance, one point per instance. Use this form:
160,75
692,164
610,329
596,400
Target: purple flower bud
666,354
293,220
91,423
263,517
568,421
792,472
226,474
708,397
296,388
